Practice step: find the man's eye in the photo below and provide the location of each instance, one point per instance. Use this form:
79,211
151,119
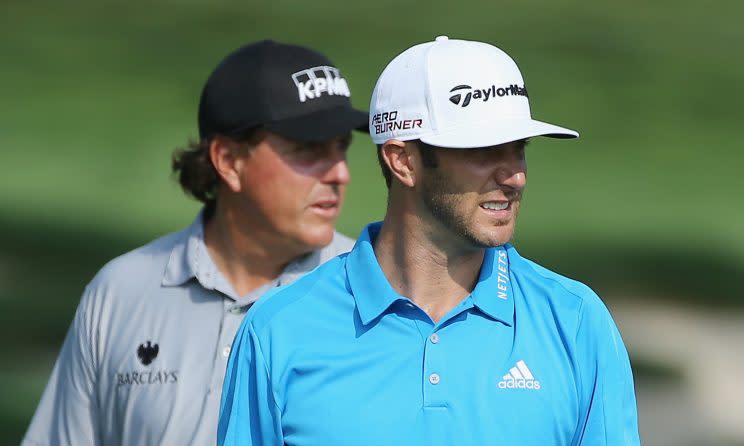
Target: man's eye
306,152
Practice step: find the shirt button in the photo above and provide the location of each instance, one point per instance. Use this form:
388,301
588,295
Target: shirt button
226,351
434,338
434,378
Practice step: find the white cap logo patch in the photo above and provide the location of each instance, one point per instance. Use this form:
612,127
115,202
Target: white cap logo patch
313,82
484,94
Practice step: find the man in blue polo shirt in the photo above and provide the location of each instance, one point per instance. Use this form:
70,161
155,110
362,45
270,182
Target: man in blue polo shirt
433,330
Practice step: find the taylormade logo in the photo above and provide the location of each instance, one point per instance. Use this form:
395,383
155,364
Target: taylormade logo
314,82
465,93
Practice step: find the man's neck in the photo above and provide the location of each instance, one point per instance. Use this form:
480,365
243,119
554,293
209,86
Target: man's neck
246,262
436,278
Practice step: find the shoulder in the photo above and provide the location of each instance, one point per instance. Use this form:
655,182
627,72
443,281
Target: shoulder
568,300
548,277
299,299
559,289
139,267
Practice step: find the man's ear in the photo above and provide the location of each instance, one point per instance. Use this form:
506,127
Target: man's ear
223,153
397,156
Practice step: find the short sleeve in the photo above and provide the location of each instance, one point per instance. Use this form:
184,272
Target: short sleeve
608,415
249,414
67,413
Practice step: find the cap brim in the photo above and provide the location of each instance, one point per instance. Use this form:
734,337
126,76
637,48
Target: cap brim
486,134
321,125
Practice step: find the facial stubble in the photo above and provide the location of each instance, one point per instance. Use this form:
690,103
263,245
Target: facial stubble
441,196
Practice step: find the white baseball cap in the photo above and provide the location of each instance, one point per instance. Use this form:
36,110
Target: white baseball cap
455,94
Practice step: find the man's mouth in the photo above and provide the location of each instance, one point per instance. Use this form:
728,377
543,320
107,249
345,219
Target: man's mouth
326,205
328,208
496,205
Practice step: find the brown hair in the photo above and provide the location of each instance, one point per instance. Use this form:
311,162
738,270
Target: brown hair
194,169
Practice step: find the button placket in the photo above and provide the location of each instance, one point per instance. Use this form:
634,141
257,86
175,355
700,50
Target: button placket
230,322
434,373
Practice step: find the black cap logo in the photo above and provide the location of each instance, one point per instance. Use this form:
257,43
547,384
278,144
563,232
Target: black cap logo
456,98
147,352
312,83
484,94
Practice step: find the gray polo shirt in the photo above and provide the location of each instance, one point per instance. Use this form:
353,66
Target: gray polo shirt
145,356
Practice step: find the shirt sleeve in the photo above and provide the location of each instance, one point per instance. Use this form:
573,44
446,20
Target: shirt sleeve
67,413
608,415
249,414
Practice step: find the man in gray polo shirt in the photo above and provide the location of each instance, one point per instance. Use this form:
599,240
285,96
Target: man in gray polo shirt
144,359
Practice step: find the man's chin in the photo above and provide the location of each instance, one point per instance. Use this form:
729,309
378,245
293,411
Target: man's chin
318,235
498,235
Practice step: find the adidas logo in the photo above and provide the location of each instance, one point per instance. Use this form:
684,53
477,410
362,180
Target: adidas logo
519,377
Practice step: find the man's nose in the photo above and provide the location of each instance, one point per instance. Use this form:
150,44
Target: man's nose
338,170
513,173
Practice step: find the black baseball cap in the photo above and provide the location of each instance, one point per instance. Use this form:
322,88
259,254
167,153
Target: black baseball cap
287,89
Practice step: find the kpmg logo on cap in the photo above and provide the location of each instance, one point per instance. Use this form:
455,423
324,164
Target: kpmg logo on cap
483,94
314,82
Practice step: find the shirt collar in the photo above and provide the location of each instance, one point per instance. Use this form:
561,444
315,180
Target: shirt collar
493,293
190,259
374,294
369,286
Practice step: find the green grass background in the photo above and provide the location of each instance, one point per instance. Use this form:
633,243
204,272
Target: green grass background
95,96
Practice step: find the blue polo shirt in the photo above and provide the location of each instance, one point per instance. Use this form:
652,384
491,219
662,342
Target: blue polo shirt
339,358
